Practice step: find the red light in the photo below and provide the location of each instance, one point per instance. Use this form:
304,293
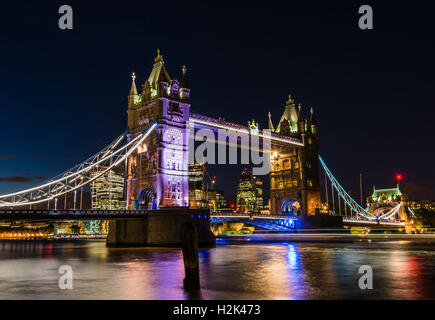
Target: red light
399,177
232,205
214,177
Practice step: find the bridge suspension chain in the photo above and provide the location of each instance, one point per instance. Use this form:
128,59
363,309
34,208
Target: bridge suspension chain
79,176
349,201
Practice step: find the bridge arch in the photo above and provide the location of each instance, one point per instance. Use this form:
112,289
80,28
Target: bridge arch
290,207
145,197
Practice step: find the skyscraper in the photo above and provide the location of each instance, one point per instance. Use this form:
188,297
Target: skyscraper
107,191
249,192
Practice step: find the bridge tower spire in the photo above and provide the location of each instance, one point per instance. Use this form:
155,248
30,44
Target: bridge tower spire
133,98
184,85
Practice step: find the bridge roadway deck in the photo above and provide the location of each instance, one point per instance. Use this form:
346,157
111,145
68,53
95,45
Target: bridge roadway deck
87,214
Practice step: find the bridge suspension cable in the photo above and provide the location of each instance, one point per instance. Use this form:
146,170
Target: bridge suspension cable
79,176
350,202
391,213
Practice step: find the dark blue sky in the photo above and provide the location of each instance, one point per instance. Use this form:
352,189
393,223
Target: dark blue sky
63,93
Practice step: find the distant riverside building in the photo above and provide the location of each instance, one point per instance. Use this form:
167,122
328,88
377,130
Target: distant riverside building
196,185
385,196
422,204
383,200
216,200
249,193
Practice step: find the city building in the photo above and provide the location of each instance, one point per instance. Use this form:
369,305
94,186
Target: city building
249,193
422,204
107,191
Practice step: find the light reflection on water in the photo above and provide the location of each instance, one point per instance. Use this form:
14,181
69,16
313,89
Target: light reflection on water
232,270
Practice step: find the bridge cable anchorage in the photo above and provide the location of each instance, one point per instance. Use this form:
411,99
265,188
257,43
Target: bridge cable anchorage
79,176
349,201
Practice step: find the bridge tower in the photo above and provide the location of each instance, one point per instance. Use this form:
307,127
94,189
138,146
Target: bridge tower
161,164
294,172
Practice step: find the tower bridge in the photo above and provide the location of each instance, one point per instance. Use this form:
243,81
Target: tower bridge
155,152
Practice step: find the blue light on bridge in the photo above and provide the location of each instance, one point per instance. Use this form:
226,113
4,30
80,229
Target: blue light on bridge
191,216
199,216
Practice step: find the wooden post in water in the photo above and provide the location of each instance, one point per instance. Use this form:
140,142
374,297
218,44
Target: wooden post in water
189,239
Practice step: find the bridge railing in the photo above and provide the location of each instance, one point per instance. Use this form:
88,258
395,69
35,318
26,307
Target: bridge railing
247,215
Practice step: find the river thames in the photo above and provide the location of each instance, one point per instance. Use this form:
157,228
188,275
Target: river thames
250,268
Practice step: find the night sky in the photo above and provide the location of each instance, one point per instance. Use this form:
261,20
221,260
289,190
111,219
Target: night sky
64,93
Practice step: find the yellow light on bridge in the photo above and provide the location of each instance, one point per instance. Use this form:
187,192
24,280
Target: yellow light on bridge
142,148
274,155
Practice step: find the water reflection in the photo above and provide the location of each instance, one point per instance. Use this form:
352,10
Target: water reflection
232,270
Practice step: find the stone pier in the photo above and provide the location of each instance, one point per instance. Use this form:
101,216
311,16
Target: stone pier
160,228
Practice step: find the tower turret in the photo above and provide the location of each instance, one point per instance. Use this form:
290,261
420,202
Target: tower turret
313,123
184,86
301,120
270,122
133,98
